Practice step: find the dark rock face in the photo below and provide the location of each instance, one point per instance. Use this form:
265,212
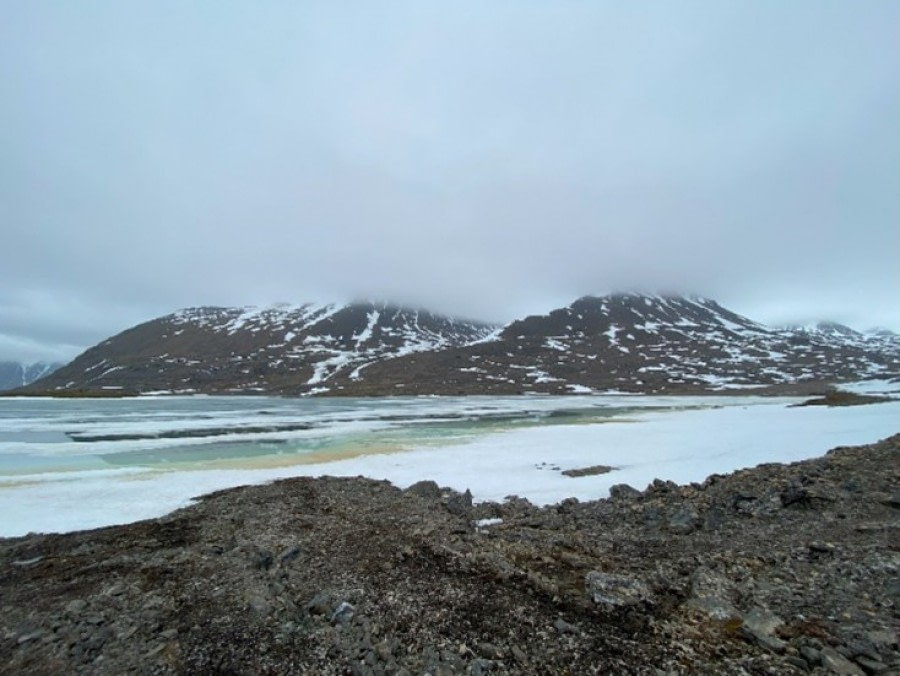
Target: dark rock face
622,342
334,576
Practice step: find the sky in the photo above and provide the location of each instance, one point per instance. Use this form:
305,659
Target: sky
487,160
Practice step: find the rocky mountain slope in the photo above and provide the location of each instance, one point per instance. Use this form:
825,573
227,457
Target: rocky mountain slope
625,342
15,374
297,349
641,343
781,569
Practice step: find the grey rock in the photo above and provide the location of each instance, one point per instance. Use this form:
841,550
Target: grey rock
683,521
459,504
712,594
425,489
342,614
795,496
490,651
616,591
320,604
715,519
798,662
289,554
761,622
812,655
624,492
76,606
262,559
564,627
871,666
30,636
836,663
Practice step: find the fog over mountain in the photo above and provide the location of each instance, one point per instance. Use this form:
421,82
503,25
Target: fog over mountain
487,161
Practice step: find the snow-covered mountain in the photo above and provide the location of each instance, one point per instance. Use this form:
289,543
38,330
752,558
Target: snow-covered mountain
282,348
621,342
15,374
645,343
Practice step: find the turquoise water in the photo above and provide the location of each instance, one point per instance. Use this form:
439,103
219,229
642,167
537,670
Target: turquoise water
40,436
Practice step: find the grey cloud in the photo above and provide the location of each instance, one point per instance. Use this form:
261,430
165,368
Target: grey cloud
485,160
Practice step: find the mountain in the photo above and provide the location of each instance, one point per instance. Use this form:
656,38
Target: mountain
620,342
281,349
15,374
643,343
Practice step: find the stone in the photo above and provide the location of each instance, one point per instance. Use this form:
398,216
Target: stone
836,663
871,666
624,492
459,504
263,559
712,594
490,651
76,606
811,655
616,591
795,495
564,627
342,614
289,554
425,489
761,621
683,521
320,604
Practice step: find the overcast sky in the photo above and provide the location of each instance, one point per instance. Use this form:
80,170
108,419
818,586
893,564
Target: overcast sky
486,159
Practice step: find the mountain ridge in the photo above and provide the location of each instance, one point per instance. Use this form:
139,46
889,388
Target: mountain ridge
14,374
621,342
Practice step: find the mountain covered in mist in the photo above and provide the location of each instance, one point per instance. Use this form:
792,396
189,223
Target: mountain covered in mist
15,374
620,342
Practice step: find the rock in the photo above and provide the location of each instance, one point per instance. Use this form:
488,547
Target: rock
882,638
712,595
76,606
490,651
683,521
30,636
836,663
519,655
795,495
289,554
616,591
759,625
262,559
798,662
593,470
893,500
320,604
871,666
811,655
564,627
342,614
624,492
459,504
425,489
762,622
116,590
715,519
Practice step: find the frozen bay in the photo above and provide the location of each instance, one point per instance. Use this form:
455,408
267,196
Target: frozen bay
72,464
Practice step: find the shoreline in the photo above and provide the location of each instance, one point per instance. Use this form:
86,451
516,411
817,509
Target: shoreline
780,568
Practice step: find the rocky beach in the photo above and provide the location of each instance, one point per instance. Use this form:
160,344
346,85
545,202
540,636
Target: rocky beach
778,569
